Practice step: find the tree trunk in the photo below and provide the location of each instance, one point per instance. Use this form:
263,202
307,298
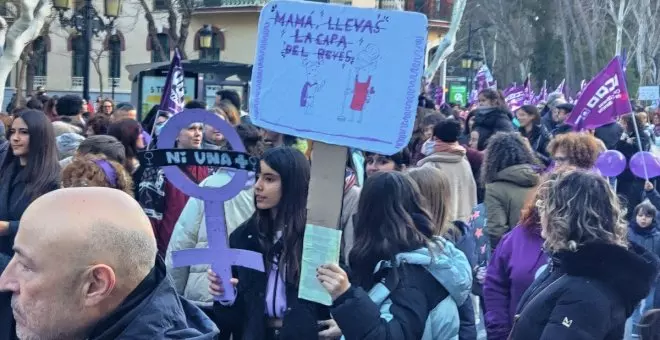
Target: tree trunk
569,68
588,35
22,32
447,43
619,27
156,47
20,78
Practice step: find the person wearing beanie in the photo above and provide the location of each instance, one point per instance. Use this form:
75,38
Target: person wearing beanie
67,144
450,157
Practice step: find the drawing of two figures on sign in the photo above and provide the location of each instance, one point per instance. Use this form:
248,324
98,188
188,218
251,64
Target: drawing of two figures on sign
358,91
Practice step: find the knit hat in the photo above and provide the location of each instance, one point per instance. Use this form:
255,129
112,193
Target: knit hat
68,143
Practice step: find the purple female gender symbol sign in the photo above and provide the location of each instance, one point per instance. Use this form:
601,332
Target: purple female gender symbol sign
218,253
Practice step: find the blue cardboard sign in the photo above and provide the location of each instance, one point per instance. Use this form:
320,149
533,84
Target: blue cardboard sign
338,74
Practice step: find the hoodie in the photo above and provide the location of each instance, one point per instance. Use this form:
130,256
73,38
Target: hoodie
419,301
154,311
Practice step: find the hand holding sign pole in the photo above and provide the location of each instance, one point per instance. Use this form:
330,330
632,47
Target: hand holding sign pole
218,253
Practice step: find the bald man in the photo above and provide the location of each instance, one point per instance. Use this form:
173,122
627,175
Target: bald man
85,267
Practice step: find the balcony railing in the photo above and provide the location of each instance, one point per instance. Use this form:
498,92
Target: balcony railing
76,82
251,3
230,3
40,81
434,9
114,81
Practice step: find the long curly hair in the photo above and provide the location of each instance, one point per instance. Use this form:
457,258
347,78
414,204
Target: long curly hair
581,149
505,149
83,171
579,207
529,214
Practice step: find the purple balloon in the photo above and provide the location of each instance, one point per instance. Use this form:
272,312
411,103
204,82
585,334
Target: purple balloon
611,163
638,160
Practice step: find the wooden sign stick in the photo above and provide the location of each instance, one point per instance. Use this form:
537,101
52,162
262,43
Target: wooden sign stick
326,185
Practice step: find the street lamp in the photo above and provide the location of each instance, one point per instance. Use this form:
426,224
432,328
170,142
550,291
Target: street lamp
206,37
466,61
86,20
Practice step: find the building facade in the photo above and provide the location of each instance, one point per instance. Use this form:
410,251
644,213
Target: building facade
56,59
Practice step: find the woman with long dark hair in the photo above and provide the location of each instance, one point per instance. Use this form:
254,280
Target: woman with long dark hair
267,304
414,279
29,170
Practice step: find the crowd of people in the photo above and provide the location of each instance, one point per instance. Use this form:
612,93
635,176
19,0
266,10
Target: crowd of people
486,212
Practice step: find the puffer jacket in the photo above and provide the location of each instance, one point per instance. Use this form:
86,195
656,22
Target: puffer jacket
505,197
190,232
420,304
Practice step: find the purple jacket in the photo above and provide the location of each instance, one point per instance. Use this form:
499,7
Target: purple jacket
511,271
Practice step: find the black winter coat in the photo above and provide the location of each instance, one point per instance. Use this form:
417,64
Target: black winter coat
154,311
628,185
246,317
586,295
539,138
490,120
13,202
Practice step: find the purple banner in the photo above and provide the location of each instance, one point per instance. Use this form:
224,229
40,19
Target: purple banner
173,92
602,100
515,97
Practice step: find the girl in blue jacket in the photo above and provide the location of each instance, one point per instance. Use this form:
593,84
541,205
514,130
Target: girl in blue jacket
406,282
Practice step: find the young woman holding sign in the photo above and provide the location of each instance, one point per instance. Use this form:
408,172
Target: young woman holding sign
267,304
401,271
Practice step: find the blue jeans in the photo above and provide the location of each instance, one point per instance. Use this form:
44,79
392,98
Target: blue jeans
644,306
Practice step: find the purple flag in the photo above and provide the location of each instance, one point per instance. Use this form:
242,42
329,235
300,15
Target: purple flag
603,99
543,94
173,92
561,87
514,97
529,92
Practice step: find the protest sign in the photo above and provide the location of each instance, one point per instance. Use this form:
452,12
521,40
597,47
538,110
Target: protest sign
649,93
338,74
218,253
602,100
342,76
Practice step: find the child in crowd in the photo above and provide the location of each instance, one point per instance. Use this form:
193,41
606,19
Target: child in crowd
643,230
